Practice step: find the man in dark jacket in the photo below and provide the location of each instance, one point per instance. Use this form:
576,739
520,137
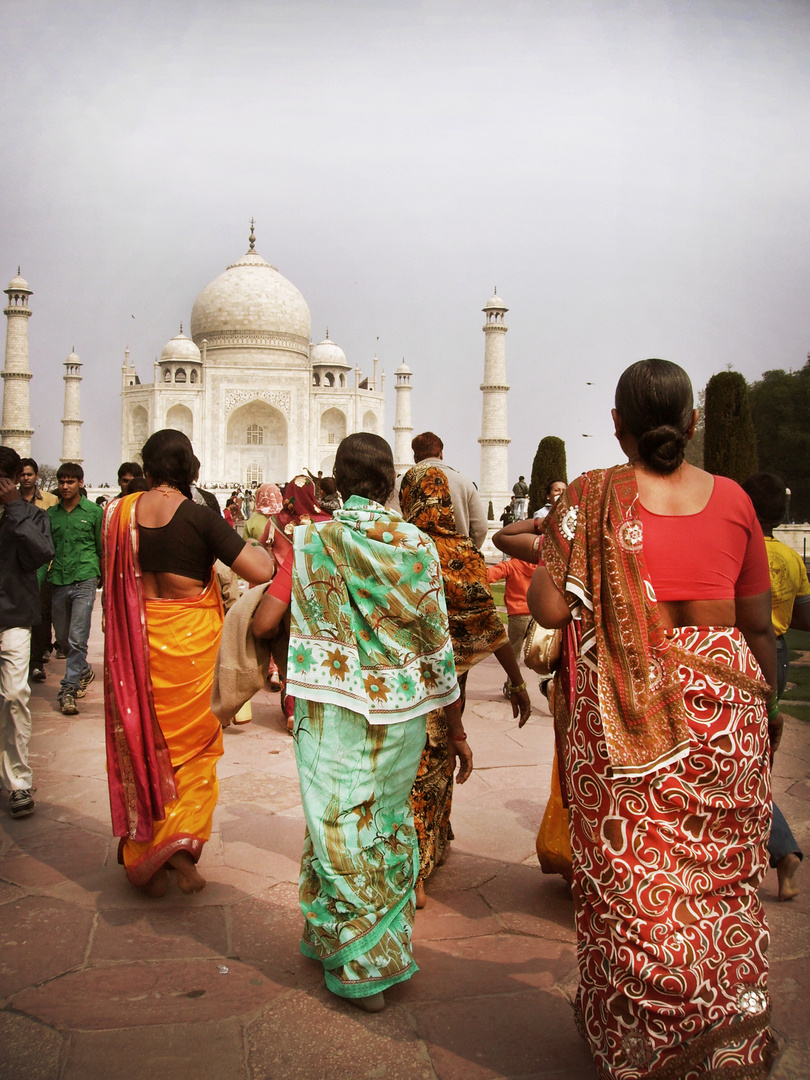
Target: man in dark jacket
25,545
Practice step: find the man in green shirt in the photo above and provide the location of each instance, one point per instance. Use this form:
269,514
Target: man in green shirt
76,531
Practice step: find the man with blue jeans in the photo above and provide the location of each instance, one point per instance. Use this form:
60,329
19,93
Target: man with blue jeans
74,573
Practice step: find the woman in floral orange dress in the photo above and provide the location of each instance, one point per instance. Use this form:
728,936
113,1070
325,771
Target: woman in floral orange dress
476,632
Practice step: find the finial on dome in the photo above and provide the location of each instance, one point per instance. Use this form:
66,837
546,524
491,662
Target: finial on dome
327,333
252,236
181,328
495,291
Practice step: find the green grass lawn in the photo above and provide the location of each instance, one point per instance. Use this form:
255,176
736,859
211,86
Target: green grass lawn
798,642
496,589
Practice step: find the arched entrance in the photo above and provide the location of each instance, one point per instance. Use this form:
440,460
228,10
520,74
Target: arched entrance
180,418
256,438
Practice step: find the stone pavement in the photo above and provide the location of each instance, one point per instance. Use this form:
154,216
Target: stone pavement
97,981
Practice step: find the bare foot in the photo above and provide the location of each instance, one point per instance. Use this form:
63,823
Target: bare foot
189,879
421,895
786,873
157,884
372,1004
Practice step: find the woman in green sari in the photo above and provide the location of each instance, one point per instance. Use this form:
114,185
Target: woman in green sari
370,655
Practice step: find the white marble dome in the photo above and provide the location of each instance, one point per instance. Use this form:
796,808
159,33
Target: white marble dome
180,348
496,302
18,284
250,297
327,354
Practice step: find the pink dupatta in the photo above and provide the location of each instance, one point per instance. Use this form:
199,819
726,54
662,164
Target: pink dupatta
139,767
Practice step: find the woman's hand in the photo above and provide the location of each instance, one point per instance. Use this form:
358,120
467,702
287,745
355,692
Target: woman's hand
460,752
457,744
521,704
518,692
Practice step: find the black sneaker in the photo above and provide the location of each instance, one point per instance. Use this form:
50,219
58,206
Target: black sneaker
84,682
37,675
20,803
67,703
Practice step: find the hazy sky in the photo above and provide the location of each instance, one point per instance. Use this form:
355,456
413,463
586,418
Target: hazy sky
633,176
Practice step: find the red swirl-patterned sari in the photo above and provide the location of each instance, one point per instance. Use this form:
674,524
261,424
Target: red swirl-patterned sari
664,735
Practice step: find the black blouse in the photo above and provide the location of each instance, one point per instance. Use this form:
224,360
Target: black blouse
189,544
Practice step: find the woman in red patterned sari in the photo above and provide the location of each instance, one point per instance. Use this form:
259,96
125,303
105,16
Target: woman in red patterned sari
666,716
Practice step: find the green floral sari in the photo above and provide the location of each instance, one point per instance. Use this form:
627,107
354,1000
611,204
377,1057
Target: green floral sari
370,656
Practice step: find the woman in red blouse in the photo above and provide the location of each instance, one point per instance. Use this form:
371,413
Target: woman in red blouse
665,710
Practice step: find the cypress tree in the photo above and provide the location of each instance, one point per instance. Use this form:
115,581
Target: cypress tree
730,441
780,407
549,464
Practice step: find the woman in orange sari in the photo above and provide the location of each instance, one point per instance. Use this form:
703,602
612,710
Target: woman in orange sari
163,621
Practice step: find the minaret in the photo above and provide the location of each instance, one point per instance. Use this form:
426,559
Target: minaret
494,437
16,429
403,425
72,421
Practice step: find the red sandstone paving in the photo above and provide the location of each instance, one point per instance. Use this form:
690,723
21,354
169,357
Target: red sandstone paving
789,923
255,789
53,855
211,1051
40,938
145,994
161,932
454,915
503,964
78,800
462,871
266,931
529,902
530,1035
10,893
266,830
29,1050
794,1064
257,861
789,986
320,1037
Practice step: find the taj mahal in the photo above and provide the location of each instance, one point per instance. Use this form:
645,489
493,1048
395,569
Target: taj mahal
257,398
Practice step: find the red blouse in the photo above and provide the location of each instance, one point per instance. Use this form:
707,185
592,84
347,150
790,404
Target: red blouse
717,554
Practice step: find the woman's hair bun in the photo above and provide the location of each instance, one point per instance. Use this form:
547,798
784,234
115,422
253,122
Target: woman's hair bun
663,448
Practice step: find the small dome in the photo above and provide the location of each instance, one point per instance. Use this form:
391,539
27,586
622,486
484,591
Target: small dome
495,303
327,354
250,296
73,359
18,284
403,369
181,348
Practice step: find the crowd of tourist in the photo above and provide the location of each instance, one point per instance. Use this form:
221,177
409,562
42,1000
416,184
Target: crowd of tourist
369,601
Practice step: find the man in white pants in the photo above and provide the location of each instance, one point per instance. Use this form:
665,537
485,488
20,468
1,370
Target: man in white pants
25,545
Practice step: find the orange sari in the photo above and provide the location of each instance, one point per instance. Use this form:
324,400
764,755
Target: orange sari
159,668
